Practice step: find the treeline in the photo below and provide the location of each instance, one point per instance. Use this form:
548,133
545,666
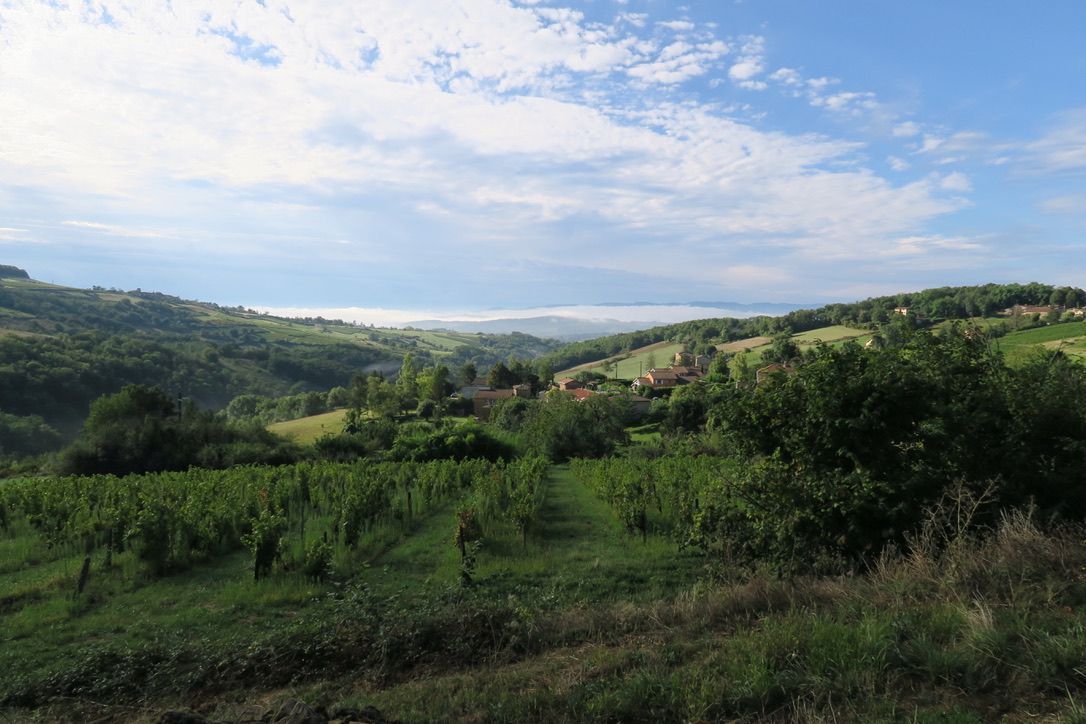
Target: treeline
56,378
940,303
842,455
266,410
931,304
143,430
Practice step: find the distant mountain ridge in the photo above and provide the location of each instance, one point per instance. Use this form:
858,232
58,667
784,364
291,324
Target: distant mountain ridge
571,327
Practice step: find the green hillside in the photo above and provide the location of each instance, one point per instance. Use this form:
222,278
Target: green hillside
629,365
61,348
307,429
932,305
1067,337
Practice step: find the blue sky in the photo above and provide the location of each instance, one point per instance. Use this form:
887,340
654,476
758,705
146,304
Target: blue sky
473,154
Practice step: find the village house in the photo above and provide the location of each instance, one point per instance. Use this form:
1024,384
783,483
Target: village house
689,359
903,311
768,371
484,400
639,405
477,385
567,384
666,379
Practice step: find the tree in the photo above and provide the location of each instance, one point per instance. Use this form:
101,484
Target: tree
407,380
545,372
500,377
782,350
561,428
435,384
382,398
358,394
468,373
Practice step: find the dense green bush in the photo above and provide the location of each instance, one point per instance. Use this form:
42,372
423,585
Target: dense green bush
845,454
140,429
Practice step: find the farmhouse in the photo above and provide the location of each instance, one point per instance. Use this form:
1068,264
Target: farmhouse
566,384
638,405
484,400
666,379
768,371
689,359
477,385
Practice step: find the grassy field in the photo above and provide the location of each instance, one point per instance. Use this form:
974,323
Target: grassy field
632,363
306,430
1069,337
743,344
581,623
836,333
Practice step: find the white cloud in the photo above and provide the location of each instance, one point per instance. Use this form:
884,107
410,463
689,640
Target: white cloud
751,63
787,76
925,244
1069,204
1062,149
956,181
816,91
490,120
907,129
115,230
677,25
655,313
897,164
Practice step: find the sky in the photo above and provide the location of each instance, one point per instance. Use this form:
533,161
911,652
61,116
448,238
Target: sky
478,154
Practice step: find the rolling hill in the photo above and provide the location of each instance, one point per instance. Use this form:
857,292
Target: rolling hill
61,348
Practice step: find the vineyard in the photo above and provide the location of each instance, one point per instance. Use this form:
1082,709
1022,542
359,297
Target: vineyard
319,519
453,590
189,571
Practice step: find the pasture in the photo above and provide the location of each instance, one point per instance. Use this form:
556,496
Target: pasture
630,364
307,430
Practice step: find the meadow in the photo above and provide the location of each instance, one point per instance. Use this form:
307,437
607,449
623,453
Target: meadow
631,364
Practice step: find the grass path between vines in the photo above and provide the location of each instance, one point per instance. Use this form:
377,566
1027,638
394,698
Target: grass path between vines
576,551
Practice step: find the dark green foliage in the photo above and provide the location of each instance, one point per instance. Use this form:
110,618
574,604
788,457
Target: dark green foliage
559,427
688,407
458,442
26,436
266,410
494,348
265,541
512,413
500,377
845,454
782,350
318,560
139,429
12,272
